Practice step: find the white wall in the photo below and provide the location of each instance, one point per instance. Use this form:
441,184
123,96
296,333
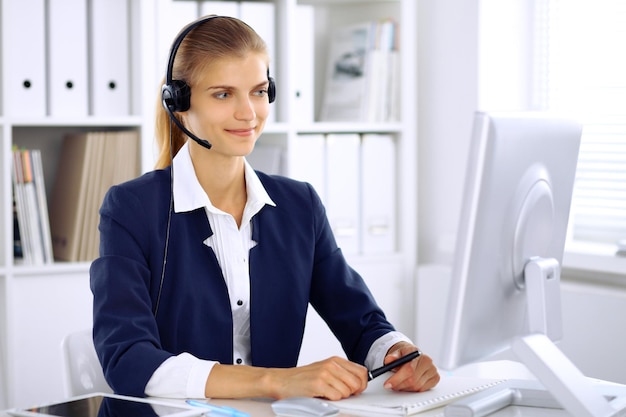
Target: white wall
452,69
448,96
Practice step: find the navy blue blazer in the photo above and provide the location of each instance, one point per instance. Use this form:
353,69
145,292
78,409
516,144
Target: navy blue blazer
296,262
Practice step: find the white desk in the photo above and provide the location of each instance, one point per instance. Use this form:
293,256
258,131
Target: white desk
491,370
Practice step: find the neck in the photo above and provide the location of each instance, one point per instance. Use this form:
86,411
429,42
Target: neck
223,180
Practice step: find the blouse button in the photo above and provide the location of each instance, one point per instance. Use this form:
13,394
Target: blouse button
239,361
239,302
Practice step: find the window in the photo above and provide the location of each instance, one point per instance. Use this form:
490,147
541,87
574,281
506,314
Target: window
580,70
568,56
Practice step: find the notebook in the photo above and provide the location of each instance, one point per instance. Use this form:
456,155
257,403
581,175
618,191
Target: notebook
376,400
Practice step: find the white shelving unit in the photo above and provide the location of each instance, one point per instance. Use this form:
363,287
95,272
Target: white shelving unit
40,304
391,277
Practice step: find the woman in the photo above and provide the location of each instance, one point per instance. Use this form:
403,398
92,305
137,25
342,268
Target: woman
207,267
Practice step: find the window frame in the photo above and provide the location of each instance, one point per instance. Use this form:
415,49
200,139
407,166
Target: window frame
507,82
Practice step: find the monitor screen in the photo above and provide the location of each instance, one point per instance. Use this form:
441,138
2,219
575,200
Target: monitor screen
505,289
516,203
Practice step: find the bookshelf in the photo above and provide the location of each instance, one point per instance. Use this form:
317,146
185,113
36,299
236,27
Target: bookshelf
40,304
390,275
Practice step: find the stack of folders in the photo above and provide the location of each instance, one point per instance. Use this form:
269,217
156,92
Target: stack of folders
31,228
355,176
363,74
63,58
90,163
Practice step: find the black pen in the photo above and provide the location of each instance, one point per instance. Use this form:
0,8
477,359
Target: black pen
379,371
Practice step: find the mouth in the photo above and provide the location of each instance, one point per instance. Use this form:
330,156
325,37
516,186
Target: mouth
242,132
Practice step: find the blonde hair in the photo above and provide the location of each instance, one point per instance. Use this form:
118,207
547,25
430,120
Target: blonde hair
211,40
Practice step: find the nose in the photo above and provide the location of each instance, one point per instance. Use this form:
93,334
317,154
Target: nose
245,109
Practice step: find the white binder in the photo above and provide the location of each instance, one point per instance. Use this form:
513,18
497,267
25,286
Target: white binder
23,45
261,17
267,158
109,57
67,58
303,75
220,8
342,180
307,161
172,17
378,194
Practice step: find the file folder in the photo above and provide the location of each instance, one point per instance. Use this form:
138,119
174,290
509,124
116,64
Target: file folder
109,54
267,158
342,156
23,24
378,194
307,161
303,76
261,17
172,17
67,58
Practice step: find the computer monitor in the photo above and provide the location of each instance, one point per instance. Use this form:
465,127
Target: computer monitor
505,288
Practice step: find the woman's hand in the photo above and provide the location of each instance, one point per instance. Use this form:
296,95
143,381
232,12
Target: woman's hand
333,378
420,374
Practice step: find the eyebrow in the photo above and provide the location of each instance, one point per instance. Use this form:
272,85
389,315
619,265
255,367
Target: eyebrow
228,87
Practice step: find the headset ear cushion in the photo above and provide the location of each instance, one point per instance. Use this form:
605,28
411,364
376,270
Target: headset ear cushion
176,96
271,90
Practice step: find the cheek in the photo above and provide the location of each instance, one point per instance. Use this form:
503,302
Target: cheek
262,110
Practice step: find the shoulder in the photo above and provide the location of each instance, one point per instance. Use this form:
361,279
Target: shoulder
150,188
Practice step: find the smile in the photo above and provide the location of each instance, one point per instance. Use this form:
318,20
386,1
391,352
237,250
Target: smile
241,132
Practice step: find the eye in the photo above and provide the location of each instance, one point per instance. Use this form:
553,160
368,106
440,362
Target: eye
261,92
221,95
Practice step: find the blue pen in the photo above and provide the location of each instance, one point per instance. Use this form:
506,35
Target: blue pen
223,410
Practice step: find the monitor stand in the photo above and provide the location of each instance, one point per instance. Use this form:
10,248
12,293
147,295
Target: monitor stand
560,384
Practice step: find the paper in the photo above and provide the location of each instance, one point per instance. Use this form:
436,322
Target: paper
378,401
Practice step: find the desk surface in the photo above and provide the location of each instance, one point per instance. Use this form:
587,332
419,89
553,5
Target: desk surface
492,370
262,408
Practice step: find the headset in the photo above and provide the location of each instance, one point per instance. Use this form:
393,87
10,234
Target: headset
176,97
176,94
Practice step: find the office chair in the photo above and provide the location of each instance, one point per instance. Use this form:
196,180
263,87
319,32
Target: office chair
83,373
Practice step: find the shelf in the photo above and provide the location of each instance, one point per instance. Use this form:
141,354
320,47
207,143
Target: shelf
338,2
57,268
130,121
334,127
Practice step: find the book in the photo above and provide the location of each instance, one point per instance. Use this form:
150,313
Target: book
345,92
19,195
90,163
361,74
31,231
42,205
378,401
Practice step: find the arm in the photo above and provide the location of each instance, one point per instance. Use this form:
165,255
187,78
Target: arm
333,378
